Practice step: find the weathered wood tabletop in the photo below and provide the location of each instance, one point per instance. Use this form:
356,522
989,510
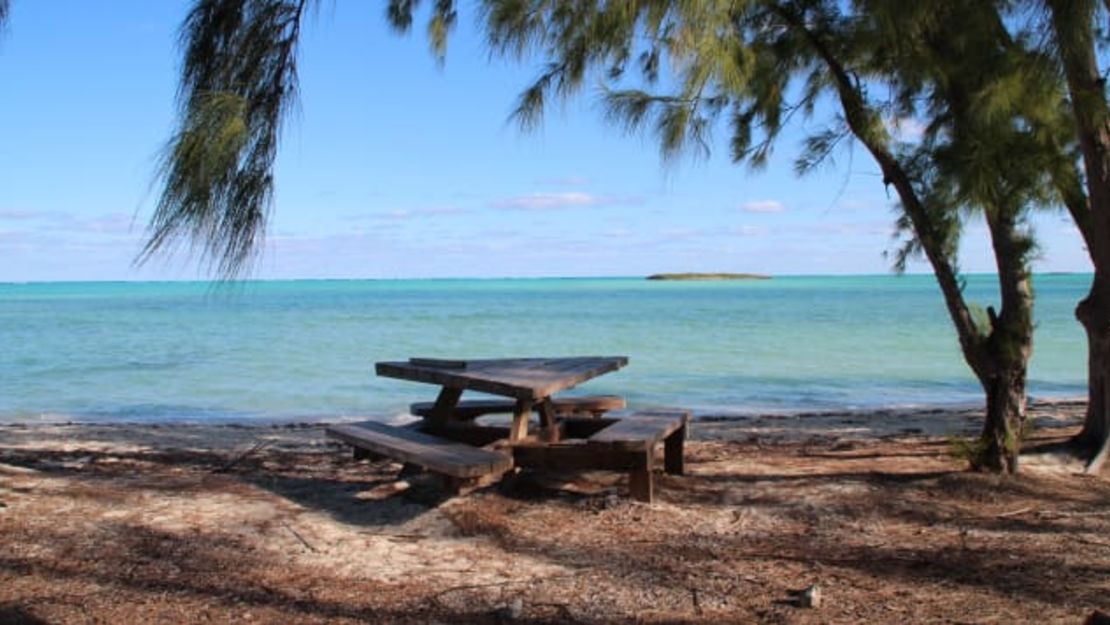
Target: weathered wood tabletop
530,381
520,378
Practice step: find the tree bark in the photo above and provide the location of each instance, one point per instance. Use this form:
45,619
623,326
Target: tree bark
1073,25
1000,442
1093,441
1009,346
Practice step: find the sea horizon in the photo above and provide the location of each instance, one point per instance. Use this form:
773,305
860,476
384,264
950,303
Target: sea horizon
221,281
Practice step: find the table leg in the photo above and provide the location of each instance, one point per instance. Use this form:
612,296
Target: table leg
444,407
552,432
521,414
673,453
641,479
547,413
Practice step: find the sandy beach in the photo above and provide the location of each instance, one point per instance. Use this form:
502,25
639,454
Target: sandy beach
275,524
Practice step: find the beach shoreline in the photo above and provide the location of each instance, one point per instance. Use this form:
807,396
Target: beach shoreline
938,420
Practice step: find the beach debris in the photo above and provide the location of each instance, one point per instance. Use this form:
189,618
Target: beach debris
77,463
258,446
383,491
808,597
1011,513
514,609
298,536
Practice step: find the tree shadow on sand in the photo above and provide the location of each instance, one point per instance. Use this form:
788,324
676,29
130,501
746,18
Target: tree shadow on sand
211,577
993,553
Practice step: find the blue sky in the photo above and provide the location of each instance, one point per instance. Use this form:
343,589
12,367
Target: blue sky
394,168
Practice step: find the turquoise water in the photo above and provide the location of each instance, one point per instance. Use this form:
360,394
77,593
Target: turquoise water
305,349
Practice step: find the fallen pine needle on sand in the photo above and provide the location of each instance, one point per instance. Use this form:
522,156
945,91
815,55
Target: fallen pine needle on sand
216,523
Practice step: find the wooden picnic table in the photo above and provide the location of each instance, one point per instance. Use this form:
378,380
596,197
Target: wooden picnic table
531,382
576,432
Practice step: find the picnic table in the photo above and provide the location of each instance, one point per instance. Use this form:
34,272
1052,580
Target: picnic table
573,433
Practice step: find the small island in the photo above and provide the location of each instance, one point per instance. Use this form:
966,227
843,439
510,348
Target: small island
708,276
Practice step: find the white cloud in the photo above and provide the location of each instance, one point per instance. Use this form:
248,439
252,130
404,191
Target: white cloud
17,215
751,231
763,206
27,215
681,234
434,211
556,201
60,221
404,214
567,181
112,223
859,228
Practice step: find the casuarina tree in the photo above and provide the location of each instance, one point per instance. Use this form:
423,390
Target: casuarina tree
760,63
1073,29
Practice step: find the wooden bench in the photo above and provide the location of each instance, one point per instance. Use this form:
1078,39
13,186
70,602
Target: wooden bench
637,435
474,408
459,462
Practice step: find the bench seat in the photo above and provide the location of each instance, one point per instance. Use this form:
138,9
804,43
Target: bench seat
640,430
474,408
440,455
637,435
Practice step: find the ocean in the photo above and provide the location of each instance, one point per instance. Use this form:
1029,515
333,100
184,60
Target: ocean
304,350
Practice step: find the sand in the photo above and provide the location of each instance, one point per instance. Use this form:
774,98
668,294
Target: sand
203,523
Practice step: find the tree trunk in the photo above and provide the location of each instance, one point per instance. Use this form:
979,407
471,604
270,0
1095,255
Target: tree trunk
1094,313
1008,348
1073,25
1000,442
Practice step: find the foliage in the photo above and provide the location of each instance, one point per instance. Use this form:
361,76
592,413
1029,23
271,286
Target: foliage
238,85
239,80
442,21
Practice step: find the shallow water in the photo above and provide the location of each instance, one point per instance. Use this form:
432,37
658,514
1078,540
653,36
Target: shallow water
305,349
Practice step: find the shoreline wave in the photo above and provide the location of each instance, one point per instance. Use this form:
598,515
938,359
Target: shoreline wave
705,416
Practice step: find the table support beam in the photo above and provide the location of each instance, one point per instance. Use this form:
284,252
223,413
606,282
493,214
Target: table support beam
521,415
551,431
445,404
